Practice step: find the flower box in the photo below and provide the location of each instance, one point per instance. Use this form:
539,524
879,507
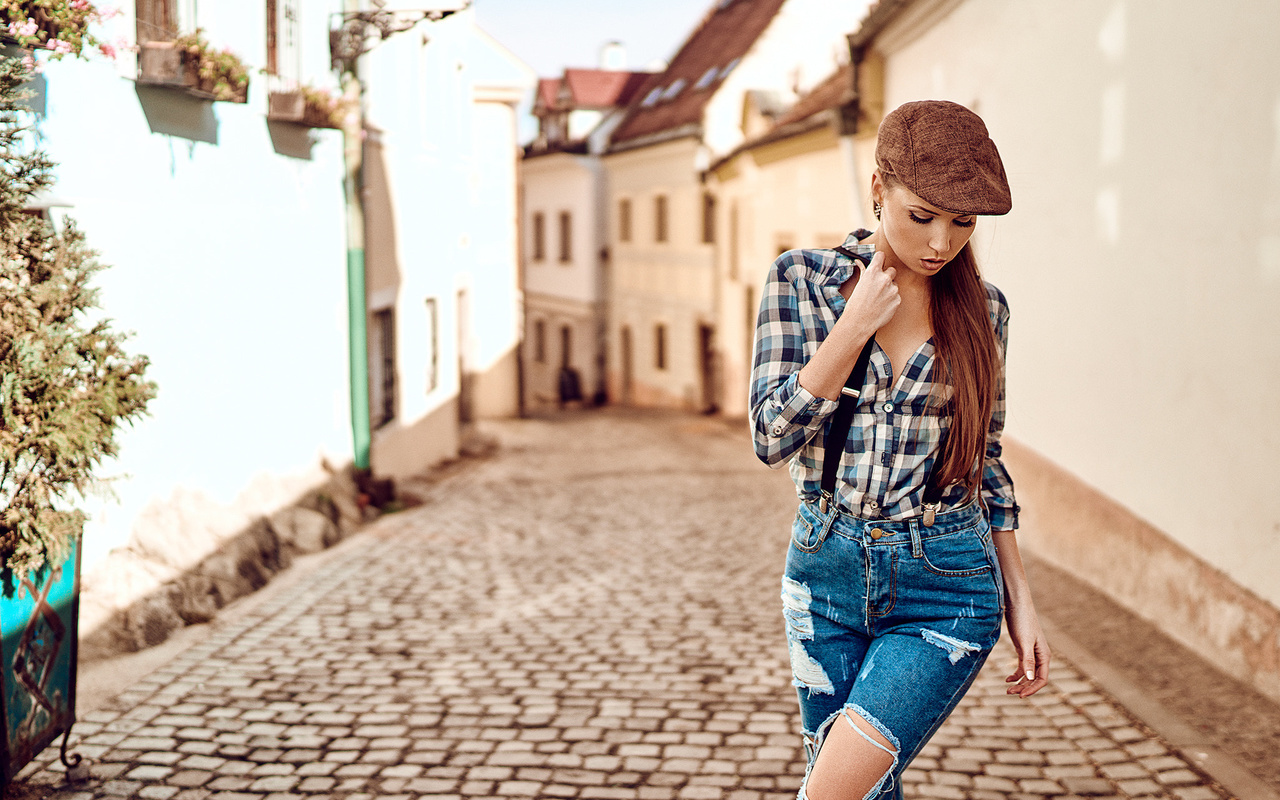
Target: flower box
311,108
191,65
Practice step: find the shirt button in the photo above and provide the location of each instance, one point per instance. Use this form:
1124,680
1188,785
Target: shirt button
777,430
888,408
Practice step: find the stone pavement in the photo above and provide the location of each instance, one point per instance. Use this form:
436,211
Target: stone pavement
592,613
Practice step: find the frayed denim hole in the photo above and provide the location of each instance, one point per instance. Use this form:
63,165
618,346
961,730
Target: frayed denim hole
813,745
888,776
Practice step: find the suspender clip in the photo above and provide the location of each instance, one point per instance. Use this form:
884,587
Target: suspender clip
824,502
930,512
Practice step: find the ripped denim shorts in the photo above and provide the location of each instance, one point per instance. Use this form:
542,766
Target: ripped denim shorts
890,621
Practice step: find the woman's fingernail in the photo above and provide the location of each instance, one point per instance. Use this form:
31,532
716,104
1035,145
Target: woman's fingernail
1031,676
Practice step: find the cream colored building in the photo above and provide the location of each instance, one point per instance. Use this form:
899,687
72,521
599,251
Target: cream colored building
664,217
1142,265
565,254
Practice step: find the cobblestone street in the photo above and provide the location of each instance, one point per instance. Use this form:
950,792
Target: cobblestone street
591,613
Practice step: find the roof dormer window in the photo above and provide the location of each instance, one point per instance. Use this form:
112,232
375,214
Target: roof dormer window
729,68
707,78
674,89
652,97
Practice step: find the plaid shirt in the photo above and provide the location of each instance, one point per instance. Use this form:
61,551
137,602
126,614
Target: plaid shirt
896,430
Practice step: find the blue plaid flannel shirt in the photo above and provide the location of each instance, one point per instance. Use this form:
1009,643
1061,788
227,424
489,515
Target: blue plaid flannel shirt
896,429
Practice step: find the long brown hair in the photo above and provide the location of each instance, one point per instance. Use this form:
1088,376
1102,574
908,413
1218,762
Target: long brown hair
965,357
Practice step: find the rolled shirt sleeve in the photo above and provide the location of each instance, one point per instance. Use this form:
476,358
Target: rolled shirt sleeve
784,415
997,485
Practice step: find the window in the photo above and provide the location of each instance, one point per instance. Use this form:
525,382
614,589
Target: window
566,237
433,359
734,255
383,373
660,218
707,78
729,68
539,236
624,220
566,346
652,97
674,89
157,21
708,218
540,341
284,57
660,346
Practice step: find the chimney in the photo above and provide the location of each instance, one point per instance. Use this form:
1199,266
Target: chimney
613,56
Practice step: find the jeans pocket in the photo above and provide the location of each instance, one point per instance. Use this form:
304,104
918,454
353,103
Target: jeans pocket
809,529
957,555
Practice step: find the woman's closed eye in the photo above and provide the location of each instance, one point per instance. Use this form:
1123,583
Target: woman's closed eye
959,223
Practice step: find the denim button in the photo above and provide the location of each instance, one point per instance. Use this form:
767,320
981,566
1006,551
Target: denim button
876,533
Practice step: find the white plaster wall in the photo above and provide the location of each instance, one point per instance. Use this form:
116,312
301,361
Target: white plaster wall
228,264
444,98
1142,256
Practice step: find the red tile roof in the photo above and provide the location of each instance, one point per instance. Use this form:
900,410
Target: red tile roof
834,91
724,36
807,112
603,88
548,91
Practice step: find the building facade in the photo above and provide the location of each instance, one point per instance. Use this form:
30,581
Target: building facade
663,335
566,249
223,225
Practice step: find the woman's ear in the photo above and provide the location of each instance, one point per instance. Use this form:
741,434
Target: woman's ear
877,188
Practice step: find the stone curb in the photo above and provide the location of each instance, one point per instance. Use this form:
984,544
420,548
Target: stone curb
1188,742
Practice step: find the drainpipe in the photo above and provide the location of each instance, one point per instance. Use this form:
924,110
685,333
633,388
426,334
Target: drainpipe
357,303
347,42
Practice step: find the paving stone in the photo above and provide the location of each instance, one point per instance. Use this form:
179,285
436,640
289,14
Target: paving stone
341,686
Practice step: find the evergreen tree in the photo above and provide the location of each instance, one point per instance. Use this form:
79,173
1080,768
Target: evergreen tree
66,383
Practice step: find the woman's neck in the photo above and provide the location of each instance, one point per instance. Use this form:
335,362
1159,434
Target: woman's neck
912,286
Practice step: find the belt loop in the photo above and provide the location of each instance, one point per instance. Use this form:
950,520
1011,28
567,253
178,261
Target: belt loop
917,549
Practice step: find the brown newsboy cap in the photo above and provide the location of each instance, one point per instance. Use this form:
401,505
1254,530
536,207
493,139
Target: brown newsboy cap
941,151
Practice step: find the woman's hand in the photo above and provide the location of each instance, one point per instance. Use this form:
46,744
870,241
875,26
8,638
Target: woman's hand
874,298
869,305
1028,639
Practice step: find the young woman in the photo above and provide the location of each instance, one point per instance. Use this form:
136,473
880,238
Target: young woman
899,574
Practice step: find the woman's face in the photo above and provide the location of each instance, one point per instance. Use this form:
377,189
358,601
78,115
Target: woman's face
921,236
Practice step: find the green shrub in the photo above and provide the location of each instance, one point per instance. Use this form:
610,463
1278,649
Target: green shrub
66,384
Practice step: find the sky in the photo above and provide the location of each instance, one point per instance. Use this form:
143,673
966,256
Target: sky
550,35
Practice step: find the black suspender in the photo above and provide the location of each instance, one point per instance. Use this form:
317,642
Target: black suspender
838,430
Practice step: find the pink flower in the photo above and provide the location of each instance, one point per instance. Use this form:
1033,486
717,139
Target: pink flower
81,5
58,46
23,30
107,50
30,64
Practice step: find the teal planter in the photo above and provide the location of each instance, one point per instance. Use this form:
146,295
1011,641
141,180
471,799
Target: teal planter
39,614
